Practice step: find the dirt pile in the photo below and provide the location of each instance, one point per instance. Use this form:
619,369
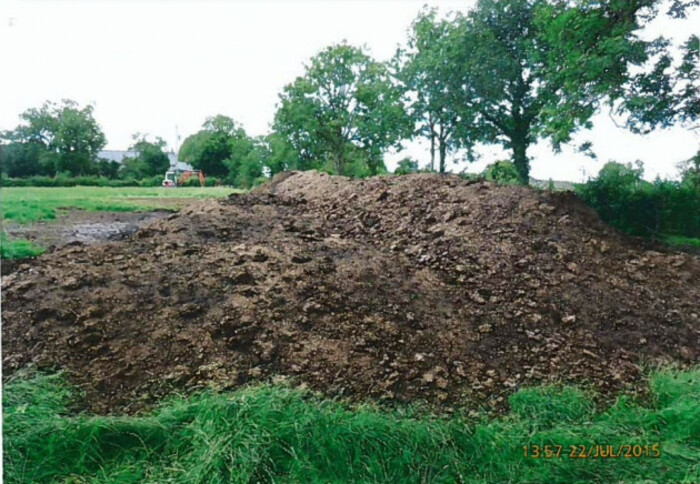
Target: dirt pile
402,288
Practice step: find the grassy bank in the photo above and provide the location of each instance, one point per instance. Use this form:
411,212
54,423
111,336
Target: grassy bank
277,434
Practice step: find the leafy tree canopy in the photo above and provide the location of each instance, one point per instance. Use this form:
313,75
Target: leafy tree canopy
151,159
277,154
667,94
22,159
426,72
345,102
210,148
540,69
223,149
68,134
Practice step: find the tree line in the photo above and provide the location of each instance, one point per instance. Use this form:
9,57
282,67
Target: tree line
505,73
65,139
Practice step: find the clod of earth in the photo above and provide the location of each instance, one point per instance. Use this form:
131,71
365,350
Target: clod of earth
419,287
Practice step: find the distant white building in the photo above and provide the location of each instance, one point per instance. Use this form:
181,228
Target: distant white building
118,156
176,164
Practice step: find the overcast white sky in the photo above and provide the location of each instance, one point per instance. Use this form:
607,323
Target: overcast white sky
149,66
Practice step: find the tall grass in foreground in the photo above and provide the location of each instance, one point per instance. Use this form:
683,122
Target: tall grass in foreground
277,434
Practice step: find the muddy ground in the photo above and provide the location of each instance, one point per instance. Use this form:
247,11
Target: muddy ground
413,288
78,226
83,226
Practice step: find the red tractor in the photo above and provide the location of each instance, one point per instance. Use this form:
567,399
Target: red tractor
174,178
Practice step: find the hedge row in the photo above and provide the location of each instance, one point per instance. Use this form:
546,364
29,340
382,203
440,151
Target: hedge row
661,208
94,181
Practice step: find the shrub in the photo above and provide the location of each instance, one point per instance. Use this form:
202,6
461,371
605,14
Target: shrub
406,166
501,172
624,200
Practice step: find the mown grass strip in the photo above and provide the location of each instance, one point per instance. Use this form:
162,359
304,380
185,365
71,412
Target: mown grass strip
270,433
30,204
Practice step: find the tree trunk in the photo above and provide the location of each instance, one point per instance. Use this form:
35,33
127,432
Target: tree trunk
340,163
519,144
432,147
443,155
443,150
372,167
373,163
520,136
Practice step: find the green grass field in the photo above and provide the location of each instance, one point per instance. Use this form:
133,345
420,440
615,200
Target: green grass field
32,204
278,434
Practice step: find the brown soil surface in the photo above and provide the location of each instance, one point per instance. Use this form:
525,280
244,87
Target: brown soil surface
408,288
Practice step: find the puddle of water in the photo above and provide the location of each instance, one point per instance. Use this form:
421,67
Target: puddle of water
95,232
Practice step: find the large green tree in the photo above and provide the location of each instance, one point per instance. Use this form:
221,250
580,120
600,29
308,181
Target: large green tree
426,71
540,69
345,102
151,158
22,159
69,135
208,149
277,154
243,164
220,149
